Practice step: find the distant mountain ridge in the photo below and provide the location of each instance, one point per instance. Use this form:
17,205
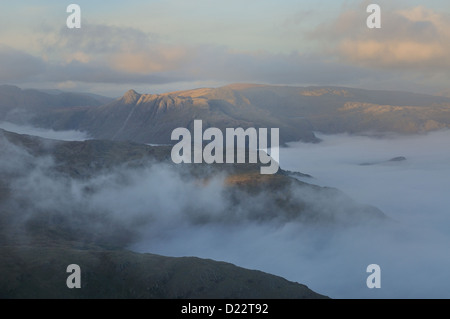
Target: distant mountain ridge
297,111
20,106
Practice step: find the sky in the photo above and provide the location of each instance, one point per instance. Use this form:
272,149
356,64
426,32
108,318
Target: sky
159,46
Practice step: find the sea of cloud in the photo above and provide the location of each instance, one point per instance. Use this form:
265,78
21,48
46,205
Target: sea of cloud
412,250
159,210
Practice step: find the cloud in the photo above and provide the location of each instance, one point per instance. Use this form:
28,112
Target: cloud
122,49
416,38
160,59
409,53
16,65
134,56
111,54
91,72
44,133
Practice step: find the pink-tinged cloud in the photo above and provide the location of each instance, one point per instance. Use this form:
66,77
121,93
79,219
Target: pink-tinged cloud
414,38
160,59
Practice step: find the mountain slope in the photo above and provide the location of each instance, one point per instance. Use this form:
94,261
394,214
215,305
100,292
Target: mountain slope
40,272
297,111
151,118
19,106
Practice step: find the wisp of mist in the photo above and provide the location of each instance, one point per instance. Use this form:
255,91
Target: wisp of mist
412,249
70,135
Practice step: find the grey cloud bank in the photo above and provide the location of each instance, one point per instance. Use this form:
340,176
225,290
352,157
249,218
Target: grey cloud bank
132,57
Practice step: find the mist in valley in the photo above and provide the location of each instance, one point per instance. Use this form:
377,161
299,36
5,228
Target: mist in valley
162,209
412,249
67,135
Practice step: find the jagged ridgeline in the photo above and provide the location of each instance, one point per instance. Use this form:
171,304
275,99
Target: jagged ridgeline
56,208
296,111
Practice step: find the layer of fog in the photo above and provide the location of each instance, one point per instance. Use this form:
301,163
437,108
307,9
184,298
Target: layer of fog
70,135
412,252
413,191
175,215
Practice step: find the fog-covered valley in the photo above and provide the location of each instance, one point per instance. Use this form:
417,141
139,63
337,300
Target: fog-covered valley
412,250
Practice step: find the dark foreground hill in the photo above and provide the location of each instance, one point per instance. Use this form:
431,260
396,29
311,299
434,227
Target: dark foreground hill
40,272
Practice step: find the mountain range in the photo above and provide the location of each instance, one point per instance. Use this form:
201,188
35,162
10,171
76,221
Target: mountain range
297,111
